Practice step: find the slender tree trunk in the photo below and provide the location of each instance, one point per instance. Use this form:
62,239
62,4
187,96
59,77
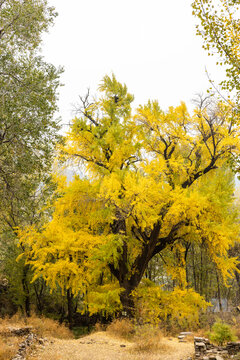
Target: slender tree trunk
70,308
219,292
25,286
38,293
194,269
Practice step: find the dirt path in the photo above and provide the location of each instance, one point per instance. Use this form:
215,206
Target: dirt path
102,346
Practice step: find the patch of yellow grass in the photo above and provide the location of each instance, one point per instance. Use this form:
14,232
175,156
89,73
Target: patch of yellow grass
148,339
8,347
122,328
42,326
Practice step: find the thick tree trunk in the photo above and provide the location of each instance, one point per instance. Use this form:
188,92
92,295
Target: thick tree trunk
151,245
127,304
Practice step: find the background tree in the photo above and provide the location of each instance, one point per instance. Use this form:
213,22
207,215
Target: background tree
220,29
28,131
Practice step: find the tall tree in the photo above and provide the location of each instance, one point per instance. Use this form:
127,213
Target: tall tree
142,193
28,101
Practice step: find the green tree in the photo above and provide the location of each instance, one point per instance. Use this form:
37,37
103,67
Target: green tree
28,131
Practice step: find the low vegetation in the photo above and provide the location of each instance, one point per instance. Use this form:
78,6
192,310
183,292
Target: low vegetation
221,333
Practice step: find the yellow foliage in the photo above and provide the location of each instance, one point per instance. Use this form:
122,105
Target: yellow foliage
153,180
179,306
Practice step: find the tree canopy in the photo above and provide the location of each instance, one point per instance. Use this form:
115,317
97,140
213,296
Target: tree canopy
28,101
145,191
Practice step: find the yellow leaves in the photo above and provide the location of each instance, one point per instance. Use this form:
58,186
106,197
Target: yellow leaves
103,299
179,306
156,170
111,188
60,255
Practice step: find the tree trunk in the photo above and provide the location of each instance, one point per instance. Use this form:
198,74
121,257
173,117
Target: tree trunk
219,292
127,304
70,308
26,291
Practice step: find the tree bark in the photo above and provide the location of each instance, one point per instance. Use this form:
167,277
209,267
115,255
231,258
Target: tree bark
70,308
25,286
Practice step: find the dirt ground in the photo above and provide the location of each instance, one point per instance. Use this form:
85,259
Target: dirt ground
102,346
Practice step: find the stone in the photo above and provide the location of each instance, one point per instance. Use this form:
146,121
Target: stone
212,357
20,331
200,346
198,339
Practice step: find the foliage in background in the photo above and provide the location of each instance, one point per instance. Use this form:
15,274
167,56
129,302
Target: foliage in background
180,308
28,132
219,28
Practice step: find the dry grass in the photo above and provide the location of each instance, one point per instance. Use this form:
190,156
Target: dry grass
8,347
99,327
121,328
42,326
48,327
148,339
103,346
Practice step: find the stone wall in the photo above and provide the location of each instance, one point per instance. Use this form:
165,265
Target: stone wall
206,351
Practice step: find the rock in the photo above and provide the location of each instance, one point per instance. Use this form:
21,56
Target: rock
20,331
198,339
200,346
122,345
185,333
212,357
218,357
23,347
181,337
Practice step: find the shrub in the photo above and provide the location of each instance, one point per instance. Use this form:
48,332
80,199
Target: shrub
221,333
7,349
147,339
123,328
42,326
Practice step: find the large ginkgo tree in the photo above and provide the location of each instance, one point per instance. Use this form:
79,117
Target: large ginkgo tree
144,190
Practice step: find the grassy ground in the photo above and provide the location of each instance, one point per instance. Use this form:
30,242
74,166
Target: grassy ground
41,326
121,341
104,346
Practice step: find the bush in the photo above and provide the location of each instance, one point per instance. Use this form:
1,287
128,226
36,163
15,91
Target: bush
123,328
221,333
41,326
148,339
8,348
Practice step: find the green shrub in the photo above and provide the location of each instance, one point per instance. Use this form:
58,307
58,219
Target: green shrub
221,333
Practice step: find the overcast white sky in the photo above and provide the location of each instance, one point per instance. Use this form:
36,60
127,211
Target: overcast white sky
149,45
